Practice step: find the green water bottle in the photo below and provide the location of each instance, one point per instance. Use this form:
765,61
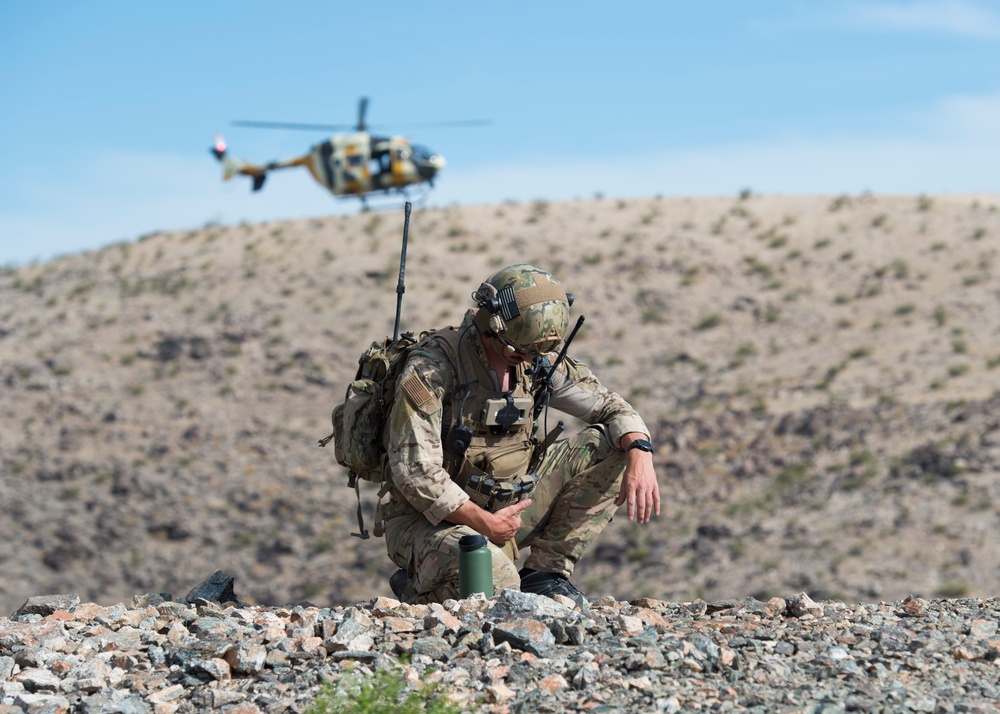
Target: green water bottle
475,566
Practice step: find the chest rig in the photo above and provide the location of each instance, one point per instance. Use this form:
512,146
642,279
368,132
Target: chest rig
487,434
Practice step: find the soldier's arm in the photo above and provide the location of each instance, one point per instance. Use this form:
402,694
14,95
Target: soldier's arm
577,392
414,449
499,527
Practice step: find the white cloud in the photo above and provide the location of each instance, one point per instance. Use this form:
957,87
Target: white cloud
943,16
954,148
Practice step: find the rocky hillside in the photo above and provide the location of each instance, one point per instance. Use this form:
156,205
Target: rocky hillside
824,369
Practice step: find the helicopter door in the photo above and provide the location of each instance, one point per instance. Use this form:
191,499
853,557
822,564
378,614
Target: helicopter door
342,164
404,172
356,155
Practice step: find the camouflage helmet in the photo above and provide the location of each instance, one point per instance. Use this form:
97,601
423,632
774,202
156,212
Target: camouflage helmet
525,307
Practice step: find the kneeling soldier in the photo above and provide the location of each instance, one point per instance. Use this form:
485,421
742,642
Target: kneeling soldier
468,452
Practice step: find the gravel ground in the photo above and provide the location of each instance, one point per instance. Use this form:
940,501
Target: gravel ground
514,653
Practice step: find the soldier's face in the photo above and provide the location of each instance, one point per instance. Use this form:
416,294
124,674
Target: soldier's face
510,354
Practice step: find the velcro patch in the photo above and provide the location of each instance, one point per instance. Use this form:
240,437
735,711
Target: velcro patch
416,390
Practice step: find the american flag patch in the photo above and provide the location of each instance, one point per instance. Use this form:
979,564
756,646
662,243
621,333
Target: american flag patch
416,391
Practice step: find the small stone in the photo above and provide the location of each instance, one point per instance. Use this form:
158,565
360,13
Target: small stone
45,605
42,703
499,693
969,652
528,635
166,694
434,647
801,605
553,683
218,587
648,602
775,606
630,625
914,606
982,629
246,658
653,619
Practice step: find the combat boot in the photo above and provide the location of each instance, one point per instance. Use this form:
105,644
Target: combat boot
550,584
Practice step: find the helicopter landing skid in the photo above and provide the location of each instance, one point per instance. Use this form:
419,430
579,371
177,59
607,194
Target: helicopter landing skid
388,200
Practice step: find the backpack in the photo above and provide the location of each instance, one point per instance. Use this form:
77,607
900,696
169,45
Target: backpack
359,421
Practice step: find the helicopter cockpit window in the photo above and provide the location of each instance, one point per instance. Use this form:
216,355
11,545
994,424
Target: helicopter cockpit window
421,153
355,160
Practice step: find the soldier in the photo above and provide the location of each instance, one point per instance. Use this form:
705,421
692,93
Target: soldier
466,453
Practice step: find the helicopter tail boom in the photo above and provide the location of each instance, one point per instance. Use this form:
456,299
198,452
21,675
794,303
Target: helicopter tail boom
232,166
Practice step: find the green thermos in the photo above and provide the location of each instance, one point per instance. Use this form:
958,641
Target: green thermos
475,566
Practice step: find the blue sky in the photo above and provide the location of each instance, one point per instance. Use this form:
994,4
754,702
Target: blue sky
108,108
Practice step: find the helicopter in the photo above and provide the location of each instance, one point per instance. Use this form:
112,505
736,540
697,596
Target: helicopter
353,164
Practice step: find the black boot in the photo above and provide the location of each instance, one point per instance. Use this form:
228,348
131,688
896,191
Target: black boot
398,581
550,584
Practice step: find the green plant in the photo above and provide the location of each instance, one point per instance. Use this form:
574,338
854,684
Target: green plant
953,589
709,321
957,370
385,692
652,315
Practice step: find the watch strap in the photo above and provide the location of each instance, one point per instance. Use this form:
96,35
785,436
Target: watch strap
642,445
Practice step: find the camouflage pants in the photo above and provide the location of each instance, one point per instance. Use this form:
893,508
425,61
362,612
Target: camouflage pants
572,503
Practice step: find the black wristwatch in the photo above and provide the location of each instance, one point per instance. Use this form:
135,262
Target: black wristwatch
641,445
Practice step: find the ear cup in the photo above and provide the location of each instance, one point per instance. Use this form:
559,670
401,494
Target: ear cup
497,324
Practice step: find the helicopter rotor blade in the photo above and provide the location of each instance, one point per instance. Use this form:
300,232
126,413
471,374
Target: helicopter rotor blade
460,122
292,125
361,125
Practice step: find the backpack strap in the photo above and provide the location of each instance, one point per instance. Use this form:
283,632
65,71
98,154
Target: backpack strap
363,534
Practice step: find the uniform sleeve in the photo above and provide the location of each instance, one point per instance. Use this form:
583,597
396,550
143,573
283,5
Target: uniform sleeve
577,392
415,453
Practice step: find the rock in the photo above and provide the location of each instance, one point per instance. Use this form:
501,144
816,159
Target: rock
914,606
801,605
433,647
515,602
45,605
622,657
217,588
525,634
982,629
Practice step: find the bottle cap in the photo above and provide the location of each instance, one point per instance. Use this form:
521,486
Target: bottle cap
471,542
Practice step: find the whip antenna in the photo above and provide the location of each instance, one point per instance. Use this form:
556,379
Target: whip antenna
400,287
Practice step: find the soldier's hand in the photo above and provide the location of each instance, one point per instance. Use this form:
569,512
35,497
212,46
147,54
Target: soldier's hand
506,522
639,487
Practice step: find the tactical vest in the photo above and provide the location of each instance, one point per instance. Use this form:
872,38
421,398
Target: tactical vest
487,434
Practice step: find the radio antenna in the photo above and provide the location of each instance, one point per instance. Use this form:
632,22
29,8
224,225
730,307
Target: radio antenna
400,286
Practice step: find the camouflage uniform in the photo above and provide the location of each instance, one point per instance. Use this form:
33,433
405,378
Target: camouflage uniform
579,479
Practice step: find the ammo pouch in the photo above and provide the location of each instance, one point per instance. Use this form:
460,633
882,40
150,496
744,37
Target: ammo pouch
491,493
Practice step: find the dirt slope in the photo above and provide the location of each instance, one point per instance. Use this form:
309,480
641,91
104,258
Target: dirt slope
826,370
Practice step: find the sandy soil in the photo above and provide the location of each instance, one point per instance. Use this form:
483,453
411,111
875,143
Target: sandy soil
821,374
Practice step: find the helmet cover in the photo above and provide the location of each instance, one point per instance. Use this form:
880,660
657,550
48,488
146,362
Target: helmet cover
530,308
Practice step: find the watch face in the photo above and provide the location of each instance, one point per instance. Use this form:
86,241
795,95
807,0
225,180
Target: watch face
642,445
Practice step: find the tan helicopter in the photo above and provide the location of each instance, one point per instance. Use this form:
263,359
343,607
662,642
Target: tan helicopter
354,164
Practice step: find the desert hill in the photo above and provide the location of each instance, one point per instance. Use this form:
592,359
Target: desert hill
822,375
